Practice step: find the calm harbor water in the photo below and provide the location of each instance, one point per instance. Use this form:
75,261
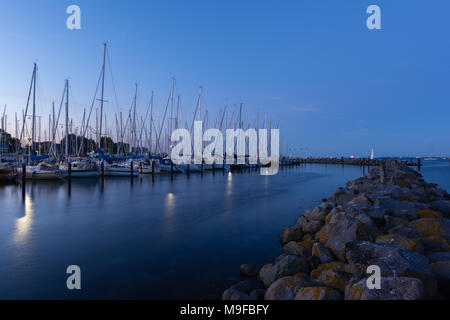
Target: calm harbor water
158,239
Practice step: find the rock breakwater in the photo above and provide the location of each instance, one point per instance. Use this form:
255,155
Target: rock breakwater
390,218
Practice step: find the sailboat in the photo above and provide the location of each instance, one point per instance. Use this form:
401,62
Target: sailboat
44,171
41,171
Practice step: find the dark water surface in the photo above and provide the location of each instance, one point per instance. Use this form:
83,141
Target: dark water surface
161,240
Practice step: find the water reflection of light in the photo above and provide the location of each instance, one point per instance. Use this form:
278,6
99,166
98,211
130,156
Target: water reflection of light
229,184
170,204
23,224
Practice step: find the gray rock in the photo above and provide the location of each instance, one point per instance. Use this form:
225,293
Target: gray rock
322,253
291,234
311,226
346,230
398,288
289,265
399,209
318,214
392,261
286,288
406,231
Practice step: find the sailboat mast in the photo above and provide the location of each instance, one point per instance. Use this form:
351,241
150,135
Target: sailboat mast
102,95
171,113
67,118
33,120
151,124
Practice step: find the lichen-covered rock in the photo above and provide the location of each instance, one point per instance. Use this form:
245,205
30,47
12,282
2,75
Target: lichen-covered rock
311,226
398,288
341,196
287,266
318,214
318,250
287,287
406,231
428,227
323,234
401,241
429,213
318,293
392,261
290,234
302,249
334,275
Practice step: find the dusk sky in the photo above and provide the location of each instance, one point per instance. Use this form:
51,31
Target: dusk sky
337,87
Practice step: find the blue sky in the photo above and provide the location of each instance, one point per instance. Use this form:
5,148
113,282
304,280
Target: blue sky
337,87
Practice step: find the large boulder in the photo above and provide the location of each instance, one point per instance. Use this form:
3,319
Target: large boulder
242,290
429,227
392,261
291,234
392,288
334,275
400,209
319,251
442,206
287,266
400,241
429,213
287,287
318,293
302,249
346,230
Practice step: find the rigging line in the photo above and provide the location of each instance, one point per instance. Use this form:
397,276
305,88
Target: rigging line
90,111
57,120
112,79
164,119
26,108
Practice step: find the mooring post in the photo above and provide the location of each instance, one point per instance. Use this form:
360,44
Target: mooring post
69,170
24,172
201,168
223,163
171,169
131,169
418,163
102,173
153,170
